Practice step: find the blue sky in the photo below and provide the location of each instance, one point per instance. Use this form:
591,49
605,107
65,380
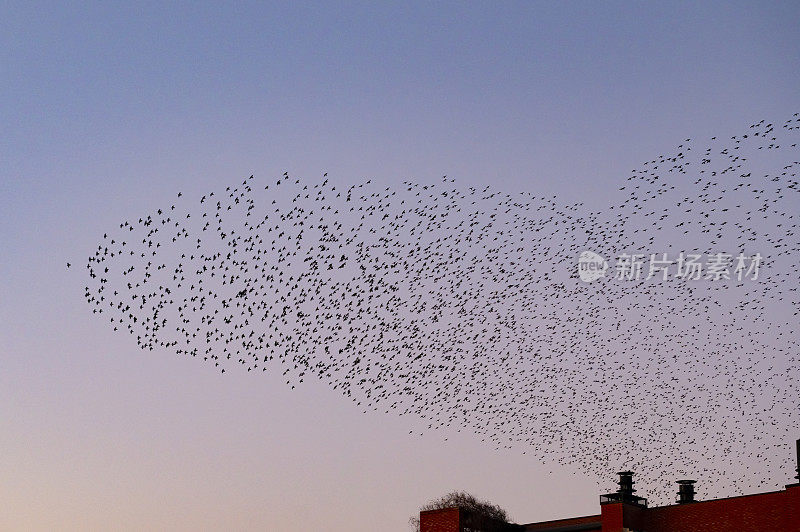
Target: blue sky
109,108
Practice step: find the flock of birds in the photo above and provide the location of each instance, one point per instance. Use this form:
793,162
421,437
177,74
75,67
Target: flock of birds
462,307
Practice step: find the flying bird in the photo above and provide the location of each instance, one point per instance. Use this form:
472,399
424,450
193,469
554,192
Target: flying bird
463,308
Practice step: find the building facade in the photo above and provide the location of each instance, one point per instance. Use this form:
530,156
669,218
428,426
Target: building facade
622,511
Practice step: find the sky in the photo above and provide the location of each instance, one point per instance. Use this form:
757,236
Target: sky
109,109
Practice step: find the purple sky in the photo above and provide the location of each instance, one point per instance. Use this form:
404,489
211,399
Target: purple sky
108,111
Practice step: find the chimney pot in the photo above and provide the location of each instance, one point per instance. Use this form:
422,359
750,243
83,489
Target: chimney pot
685,491
626,485
798,461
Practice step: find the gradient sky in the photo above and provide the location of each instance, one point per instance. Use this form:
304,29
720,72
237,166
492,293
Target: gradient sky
108,108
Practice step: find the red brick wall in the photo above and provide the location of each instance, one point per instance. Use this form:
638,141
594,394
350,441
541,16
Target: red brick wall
447,520
636,518
779,511
611,515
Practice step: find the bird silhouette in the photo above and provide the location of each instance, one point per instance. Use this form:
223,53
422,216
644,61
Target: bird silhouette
464,308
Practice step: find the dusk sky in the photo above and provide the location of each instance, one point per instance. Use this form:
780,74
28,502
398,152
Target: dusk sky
108,110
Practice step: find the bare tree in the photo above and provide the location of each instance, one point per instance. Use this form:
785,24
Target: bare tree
479,516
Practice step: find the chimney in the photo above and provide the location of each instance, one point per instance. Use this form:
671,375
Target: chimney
626,485
798,461
685,491
625,492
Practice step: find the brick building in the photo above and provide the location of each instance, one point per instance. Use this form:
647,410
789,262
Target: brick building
622,511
